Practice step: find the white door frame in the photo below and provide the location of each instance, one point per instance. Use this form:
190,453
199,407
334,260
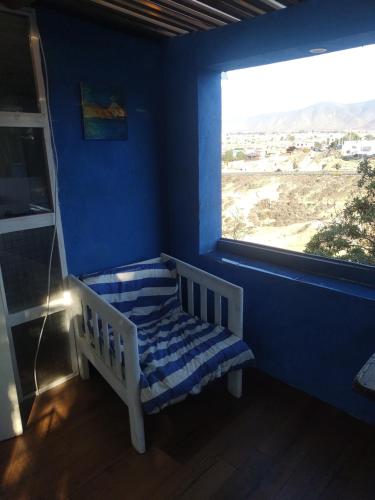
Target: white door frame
10,388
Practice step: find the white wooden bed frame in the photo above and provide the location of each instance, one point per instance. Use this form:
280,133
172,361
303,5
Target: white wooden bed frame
125,380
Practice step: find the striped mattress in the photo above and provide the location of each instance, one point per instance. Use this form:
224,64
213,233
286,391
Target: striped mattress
179,354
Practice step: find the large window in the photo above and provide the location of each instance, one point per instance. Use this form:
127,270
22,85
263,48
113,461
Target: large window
298,155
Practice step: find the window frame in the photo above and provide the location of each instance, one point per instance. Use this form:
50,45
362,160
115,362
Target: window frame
337,269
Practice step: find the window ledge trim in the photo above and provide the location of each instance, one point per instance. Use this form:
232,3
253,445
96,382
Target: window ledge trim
297,266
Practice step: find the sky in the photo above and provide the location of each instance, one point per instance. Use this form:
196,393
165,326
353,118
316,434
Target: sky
346,76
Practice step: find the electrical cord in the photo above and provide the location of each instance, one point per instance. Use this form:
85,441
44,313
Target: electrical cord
55,191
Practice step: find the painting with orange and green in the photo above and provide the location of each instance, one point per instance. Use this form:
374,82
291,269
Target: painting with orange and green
105,116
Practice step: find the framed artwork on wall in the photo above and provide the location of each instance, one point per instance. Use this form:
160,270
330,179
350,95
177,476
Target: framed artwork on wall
104,113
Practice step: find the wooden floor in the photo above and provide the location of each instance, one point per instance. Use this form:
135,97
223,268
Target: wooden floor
276,443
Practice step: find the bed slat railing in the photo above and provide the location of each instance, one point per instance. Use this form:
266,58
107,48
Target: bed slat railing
106,343
117,353
190,292
217,309
97,325
124,374
85,318
95,320
203,298
180,288
220,288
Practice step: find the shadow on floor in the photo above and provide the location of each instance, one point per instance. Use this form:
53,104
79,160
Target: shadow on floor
274,443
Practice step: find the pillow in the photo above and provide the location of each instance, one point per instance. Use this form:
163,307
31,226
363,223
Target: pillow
144,292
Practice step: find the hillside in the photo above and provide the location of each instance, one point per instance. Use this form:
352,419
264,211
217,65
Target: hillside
282,210
321,117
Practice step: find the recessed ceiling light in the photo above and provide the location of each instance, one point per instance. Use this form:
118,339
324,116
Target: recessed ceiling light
318,50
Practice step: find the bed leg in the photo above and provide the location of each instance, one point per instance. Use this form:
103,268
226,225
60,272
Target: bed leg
234,383
137,432
83,366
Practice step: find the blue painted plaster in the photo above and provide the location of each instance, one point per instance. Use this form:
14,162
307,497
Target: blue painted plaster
306,331
209,157
109,190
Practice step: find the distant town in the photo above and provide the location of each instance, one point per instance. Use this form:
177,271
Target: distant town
296,152
280,188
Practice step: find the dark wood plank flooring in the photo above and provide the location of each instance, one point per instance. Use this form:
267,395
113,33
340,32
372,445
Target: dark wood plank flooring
275,443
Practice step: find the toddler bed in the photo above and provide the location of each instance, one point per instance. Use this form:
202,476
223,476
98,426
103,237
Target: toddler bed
131,325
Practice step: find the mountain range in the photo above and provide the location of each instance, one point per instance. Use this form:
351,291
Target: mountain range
320,117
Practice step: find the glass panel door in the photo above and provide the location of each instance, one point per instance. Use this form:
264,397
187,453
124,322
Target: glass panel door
32,256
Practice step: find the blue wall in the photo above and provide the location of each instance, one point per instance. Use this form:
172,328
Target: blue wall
312,335
114,195
109,190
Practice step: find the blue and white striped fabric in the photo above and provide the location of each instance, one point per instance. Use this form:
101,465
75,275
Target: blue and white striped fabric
143,292
179,354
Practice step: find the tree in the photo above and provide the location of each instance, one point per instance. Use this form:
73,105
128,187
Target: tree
240,155
351,234
351,136
335,144
239,226
337,166
228,156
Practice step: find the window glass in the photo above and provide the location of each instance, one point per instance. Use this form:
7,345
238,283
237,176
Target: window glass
298,158
24,260
17,84
24,187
